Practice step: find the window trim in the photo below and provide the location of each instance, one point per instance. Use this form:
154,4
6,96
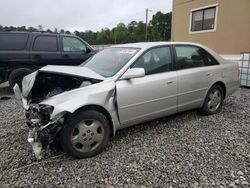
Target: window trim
73,38
190,45
216,6
34,41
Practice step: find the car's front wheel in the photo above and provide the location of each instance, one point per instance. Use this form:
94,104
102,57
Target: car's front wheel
85,134
213,101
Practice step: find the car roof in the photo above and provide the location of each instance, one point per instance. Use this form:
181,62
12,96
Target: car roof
36,33
146,45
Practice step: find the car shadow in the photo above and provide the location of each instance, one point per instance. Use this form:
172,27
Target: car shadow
153,125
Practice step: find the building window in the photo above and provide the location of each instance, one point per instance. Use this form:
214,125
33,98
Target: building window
203,19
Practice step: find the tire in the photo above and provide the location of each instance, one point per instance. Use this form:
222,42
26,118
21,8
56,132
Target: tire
213,101
16,76
85,134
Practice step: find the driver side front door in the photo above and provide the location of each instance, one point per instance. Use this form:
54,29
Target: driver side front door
74,51
152,96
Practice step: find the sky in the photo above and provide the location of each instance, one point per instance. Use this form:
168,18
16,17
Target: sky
78,15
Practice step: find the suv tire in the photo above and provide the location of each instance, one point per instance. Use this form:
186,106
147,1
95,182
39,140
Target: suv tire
16,76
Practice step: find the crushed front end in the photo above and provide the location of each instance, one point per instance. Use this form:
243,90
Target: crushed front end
42,131
38,87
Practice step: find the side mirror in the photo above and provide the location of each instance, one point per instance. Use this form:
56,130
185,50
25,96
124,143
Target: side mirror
88,50
133,73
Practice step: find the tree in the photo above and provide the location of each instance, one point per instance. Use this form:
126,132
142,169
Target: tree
55,30
159,28
162,23
62,31
40,28
49,31
104,37
32,29
22,28
120,34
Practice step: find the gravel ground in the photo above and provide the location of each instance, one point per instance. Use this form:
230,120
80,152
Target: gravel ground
184,150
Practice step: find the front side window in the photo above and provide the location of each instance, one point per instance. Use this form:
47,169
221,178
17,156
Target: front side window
203,19
191,57
156,60
45,43
73,44
110,60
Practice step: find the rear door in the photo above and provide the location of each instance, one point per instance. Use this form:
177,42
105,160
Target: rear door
196,70
45,50
152,96
74,51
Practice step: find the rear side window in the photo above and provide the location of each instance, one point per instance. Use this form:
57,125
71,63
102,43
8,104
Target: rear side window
189,57
192,56
13,41
45,43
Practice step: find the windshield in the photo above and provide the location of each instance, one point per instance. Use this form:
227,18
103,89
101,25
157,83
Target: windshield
109,61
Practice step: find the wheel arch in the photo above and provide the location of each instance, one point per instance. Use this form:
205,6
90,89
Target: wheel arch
15,66
102,110
223,87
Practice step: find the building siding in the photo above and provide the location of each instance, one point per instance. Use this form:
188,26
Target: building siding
232,35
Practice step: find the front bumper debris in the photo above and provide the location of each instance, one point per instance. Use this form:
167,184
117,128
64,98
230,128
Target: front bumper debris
35,143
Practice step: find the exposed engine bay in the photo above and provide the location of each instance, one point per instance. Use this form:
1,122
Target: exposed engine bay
43,131
48,85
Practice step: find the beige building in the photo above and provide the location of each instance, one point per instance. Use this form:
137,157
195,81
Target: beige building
222,25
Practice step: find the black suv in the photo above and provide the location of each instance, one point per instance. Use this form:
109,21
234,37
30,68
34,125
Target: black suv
21,53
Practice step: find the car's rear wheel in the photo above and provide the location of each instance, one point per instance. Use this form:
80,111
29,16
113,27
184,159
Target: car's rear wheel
213,101
85,134
16,76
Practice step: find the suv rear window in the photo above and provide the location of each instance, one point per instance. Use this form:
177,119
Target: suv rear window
13,41
45,43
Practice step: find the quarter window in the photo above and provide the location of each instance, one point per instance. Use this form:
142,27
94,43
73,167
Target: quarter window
191,56
209,59
73,44
203,19
45,43
155,61
11,41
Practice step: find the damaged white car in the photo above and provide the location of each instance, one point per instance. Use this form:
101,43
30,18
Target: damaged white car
82,107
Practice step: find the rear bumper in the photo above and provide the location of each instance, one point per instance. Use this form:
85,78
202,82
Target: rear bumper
233,88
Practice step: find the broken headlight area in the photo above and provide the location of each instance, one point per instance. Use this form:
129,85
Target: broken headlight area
48,85
38,115
42,131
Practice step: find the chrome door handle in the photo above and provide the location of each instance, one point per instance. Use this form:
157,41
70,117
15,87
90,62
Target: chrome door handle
170,81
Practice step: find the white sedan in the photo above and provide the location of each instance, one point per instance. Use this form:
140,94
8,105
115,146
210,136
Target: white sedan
123,85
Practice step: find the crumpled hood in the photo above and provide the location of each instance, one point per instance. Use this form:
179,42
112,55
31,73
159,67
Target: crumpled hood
72,70
29,80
